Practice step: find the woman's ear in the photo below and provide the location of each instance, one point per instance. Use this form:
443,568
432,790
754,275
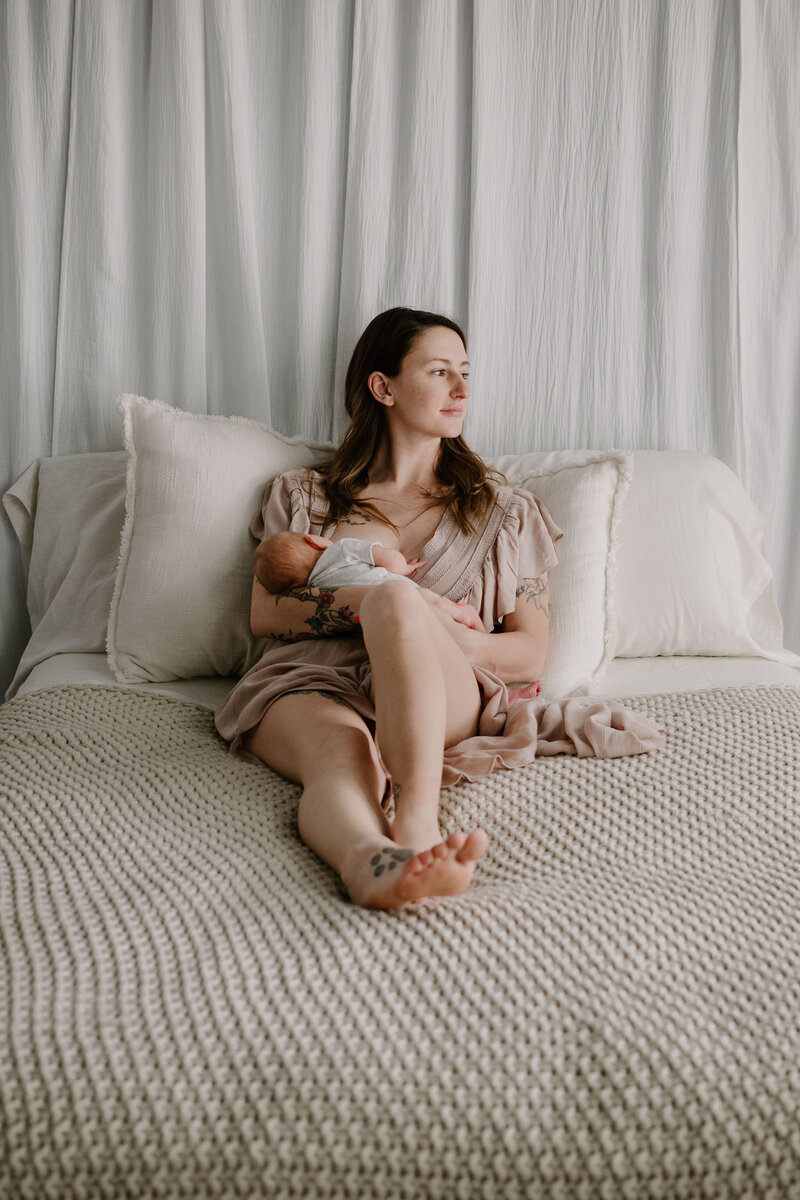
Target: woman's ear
379,385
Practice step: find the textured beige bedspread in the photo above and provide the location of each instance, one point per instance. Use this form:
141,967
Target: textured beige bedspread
190,1006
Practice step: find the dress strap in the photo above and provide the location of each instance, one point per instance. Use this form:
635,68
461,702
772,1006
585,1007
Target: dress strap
451,571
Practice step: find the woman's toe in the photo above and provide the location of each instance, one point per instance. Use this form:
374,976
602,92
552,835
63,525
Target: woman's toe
474,846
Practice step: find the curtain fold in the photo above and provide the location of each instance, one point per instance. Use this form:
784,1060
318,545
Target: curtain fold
769,257
35,69
603,288
206,202
406,229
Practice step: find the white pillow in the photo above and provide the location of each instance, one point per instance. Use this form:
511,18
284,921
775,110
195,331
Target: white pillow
691,573
181,604
584,490
67,513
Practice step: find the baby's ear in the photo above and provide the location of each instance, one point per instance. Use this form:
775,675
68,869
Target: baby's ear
319,543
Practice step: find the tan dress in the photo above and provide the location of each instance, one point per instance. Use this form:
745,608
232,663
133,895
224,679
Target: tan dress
480,569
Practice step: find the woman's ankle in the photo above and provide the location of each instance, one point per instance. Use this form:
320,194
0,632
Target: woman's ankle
416,795
420,835
416,820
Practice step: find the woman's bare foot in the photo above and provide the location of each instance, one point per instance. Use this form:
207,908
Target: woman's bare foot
392,876
407,831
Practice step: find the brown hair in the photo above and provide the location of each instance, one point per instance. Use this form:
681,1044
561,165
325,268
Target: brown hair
283,561
382,347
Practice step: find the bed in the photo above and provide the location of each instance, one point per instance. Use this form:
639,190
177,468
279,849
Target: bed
191,1006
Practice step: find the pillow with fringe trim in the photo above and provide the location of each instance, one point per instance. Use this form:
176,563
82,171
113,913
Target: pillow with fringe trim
584,491
181,603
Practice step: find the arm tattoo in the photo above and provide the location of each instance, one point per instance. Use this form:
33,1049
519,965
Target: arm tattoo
535,592
324,621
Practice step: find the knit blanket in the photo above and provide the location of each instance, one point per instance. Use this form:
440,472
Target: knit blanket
192,1008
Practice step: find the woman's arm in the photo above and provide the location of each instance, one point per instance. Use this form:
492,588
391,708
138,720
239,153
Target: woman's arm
518,653
306,612
312,612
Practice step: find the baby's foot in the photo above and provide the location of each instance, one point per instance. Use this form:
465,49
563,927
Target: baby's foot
394,876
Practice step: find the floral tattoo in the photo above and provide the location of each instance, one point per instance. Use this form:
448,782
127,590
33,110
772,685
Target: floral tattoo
535,592
324,621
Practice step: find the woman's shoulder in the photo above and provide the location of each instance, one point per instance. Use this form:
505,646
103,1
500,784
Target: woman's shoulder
512,491
304,488
290,500
513,499
300,482
527,513
297,476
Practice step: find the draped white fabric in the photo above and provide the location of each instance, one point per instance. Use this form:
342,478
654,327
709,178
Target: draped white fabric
206,203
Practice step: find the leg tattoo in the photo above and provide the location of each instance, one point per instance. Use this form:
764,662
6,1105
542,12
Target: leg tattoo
388,859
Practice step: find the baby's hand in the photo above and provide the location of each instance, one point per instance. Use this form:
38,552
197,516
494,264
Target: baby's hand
393,560
413,563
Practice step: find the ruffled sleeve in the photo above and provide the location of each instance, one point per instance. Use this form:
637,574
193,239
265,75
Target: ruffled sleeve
524,548
284,505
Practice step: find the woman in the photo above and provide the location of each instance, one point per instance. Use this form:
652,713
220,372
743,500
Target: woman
366,692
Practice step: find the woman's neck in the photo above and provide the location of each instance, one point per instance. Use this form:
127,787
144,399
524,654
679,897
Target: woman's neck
405,468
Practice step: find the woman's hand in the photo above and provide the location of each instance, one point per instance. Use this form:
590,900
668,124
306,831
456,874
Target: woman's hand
448,611
517,653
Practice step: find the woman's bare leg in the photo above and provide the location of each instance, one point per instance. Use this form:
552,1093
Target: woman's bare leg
326,746
426,697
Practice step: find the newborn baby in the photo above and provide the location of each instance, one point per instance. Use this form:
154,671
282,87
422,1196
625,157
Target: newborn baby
289,560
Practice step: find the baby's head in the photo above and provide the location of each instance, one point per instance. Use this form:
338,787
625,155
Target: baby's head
285,560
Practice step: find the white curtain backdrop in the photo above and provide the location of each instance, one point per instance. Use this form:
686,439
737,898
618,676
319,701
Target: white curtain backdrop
206,202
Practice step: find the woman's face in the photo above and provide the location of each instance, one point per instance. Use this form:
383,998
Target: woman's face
431,394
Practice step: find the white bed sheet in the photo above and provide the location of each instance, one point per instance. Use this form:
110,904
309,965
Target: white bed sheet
94,668
679,673
625,676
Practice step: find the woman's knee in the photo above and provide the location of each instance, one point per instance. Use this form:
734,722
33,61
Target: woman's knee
345,753
393,602
340,745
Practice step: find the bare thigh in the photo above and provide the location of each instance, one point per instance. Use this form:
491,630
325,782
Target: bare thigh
464,700
463,696
305,735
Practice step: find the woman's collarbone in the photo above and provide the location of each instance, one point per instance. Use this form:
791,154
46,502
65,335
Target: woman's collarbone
358,525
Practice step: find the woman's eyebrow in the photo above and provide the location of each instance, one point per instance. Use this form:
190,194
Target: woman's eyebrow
444,360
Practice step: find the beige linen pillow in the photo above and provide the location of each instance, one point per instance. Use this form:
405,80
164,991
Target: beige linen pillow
584,491
180,607
68,514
